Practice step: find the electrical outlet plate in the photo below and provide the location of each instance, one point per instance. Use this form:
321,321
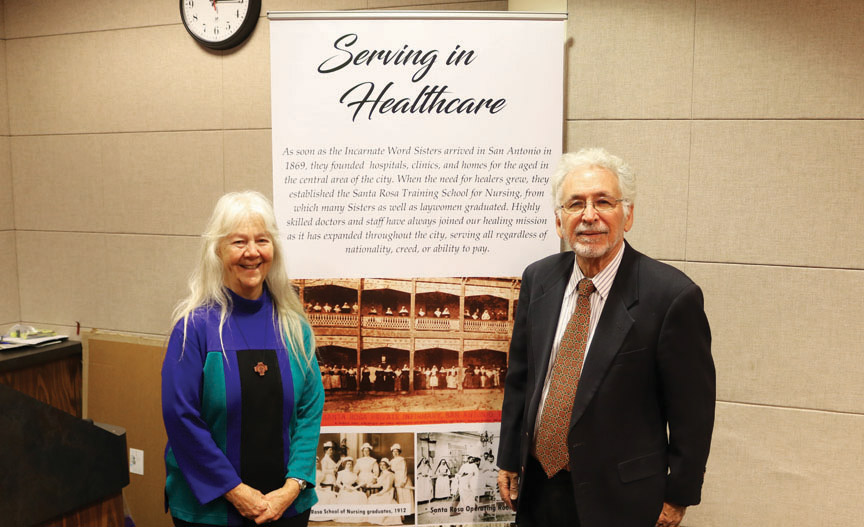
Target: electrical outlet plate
136,461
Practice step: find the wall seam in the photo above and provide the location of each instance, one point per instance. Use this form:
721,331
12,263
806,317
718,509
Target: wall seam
9,167
690,134
795,408
222,109
757,264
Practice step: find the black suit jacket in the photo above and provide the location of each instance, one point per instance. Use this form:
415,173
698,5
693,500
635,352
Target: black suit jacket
649,367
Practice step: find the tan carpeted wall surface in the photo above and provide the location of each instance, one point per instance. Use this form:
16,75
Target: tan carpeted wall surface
743,120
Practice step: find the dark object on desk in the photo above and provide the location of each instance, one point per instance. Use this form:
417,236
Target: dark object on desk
53,462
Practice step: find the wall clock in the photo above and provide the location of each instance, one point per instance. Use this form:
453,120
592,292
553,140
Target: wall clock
220,24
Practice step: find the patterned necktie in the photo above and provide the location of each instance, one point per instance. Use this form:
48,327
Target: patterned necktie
551,445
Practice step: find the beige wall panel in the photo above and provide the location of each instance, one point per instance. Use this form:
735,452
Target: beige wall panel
161,182
246,81
26,18
4,92
248,161
117,282
777,192
153,78
379,4
9,306
61,278
780,466
309,5
123,387
438,4
7,210
779,59
785,336
629,59
58,182
544,6
57,84
3,4
164,81
658,151
147,276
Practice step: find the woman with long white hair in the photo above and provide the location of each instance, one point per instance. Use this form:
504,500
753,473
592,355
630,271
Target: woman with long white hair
241,388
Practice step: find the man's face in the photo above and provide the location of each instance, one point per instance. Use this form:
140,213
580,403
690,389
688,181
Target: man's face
594,236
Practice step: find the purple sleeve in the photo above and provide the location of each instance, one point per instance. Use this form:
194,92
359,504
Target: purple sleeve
204,465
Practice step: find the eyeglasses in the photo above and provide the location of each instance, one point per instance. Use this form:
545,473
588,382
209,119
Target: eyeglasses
577,206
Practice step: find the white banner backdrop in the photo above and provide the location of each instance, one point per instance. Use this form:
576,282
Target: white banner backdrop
415,144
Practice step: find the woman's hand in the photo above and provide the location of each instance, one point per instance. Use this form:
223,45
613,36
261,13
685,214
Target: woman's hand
249,502
278,501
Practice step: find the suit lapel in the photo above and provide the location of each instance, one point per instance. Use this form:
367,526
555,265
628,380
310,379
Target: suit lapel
612,328
546,309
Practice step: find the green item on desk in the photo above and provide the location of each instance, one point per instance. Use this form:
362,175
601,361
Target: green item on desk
19,332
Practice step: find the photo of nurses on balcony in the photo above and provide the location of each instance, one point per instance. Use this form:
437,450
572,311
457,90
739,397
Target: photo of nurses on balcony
484,305
423,338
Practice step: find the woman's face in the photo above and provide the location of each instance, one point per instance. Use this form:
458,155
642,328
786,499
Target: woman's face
349,465
247,254
366,452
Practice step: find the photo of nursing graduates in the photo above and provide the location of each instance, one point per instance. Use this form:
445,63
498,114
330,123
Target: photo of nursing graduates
365,479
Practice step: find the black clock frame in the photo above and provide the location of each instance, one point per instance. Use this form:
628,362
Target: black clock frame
237,38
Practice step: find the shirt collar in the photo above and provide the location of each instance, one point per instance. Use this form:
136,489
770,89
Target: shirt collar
244,305
602,280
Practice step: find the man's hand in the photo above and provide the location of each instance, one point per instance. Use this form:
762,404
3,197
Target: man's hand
671,515
508,486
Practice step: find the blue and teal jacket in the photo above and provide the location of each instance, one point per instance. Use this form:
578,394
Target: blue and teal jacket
250,413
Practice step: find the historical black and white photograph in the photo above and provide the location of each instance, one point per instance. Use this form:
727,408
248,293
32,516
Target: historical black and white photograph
365,479
457,478
409,345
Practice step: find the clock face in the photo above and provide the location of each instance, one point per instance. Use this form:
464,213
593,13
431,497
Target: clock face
220,24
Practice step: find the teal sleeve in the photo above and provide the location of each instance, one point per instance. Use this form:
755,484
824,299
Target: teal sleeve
306,419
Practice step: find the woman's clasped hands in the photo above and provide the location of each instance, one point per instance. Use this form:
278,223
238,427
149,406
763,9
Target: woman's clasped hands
263,508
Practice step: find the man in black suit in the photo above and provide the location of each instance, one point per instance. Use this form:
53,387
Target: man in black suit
634,439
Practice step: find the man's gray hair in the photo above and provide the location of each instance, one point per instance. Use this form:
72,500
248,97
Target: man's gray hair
598,157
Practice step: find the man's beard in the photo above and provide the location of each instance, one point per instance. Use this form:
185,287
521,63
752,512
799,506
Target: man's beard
590,250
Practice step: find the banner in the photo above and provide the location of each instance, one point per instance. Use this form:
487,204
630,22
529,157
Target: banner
413,146
411,162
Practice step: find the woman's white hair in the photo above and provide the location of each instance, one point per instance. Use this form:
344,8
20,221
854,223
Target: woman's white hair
596,157
207,282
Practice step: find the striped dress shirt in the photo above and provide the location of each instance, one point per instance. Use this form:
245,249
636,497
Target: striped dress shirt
603,283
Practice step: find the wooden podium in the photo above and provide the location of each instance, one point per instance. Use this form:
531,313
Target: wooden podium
57,469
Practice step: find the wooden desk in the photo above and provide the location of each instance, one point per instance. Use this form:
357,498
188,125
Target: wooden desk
51,374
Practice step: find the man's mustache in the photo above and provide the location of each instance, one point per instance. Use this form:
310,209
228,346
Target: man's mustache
591,229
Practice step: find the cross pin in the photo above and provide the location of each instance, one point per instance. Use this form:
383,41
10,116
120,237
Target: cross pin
260,368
